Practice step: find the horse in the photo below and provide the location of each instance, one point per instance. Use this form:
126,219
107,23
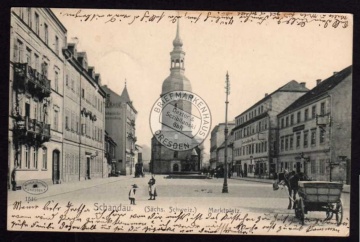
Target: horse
290,180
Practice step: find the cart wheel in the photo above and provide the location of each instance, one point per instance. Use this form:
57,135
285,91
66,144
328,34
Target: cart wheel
329,212
301,211
339,213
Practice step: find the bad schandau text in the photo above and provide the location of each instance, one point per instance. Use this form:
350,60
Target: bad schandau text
102,217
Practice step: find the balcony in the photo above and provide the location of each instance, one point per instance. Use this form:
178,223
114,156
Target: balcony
28,79
32,130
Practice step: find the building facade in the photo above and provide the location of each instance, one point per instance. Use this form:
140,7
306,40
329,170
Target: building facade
83,119
110,150
220,153
120,117
217,138
163,159
315,131
255,132
36,95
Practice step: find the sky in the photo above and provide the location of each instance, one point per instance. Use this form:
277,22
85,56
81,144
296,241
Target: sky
259,58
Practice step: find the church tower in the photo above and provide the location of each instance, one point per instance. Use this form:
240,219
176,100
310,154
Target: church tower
177,80
163,159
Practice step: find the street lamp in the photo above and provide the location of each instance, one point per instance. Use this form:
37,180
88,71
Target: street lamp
227,91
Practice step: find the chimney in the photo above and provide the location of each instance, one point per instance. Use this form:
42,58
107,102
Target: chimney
303,84
318,81
91,71
266,94
98,79
71,48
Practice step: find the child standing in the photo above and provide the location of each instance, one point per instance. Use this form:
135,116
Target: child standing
132,193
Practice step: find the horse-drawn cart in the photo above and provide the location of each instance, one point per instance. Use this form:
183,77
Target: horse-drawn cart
319,196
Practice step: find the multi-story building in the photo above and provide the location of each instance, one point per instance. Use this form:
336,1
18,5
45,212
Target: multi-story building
315,131
220,153
120,119
110,149
216,139
36,94
84,115
254,149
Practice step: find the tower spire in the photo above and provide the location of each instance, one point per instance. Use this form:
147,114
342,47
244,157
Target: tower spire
177,41
178,30
177,55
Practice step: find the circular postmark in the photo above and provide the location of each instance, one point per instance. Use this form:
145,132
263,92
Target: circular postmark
180,120
35,187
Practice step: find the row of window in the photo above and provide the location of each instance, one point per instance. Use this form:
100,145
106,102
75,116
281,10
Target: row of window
316,166
39,113
287,142
251,129
33,22
29,157
289,120
249,115
26,55
88,128
33,109
72,164
92,99
86,94
250,149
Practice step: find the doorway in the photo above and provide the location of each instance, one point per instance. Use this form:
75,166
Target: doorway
175,168
87,167
56,167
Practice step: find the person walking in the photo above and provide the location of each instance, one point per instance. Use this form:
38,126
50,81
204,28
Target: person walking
152,188
132,193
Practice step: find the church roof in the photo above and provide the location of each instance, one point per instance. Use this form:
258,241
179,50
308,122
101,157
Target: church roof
176,82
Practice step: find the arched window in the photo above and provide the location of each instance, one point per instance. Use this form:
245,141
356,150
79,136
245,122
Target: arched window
44,158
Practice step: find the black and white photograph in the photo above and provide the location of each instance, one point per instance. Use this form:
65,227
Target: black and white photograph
180,122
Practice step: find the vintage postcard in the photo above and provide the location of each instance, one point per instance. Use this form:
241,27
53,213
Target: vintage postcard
180,122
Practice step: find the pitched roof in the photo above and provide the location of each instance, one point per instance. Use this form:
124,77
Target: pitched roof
123,98
291,86
125,95
319,90
215,129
